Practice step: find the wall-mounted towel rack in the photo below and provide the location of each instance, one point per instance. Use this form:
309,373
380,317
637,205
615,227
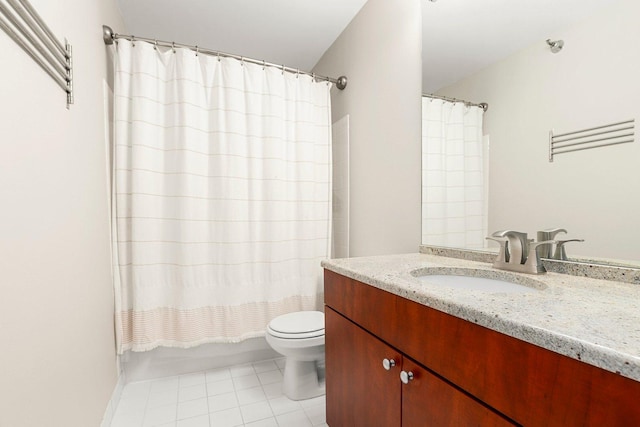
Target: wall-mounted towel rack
22,23
599,136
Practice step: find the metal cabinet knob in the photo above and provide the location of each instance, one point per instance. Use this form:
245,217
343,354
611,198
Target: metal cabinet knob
388,363
405,377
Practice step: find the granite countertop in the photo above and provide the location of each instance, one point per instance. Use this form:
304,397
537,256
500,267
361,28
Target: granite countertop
592,320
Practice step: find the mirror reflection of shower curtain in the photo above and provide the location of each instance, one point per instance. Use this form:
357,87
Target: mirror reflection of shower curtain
453,182
221,196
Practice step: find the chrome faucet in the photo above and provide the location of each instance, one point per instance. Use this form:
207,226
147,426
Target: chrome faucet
548,234
518,253
516,245
560,252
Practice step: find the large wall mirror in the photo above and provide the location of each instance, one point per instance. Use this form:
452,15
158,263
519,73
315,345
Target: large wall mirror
496,51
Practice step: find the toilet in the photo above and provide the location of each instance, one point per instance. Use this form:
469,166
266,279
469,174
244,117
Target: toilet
299,336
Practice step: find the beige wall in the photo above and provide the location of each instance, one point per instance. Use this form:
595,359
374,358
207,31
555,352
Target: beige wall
57,358
592,81
380,53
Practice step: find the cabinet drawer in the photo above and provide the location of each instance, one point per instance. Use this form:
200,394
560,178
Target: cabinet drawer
371,308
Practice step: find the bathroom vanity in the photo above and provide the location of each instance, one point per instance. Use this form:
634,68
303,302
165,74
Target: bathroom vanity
401,352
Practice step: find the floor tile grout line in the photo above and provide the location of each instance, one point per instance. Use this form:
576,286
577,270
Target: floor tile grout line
235,391
178,401
206,396
146,404
239,407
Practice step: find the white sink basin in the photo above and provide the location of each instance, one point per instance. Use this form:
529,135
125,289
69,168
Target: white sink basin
473,280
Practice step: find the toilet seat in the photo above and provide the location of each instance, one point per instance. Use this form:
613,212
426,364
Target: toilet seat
298,325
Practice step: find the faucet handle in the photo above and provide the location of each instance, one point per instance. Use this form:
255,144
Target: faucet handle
503,253
533,246
503,233
518,249
534,261
561,253
548,234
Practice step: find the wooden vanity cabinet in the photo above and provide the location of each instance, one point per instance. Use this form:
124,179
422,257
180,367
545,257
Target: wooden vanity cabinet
362,392
463,374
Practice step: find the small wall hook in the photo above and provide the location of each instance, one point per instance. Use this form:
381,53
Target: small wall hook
555,45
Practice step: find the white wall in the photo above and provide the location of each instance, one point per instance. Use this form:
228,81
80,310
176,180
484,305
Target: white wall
57,358
380,53
340,191
592,81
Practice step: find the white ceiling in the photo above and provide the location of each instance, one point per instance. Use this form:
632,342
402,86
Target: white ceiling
291,32
459,36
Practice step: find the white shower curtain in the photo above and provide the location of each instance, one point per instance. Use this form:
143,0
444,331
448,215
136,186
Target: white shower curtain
222,196
453,193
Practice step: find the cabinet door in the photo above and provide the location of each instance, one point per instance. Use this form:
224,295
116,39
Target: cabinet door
360,391
427,400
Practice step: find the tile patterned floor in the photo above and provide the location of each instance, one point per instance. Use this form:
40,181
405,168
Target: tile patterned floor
245,395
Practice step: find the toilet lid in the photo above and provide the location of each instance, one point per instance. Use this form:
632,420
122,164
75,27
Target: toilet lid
300,324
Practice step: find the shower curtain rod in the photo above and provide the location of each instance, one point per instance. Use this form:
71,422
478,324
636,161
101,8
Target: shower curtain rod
109,37
482,105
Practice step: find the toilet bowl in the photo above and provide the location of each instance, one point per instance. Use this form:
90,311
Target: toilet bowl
299,336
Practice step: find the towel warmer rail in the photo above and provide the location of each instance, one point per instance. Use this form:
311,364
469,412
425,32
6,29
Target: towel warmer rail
24,25
599,136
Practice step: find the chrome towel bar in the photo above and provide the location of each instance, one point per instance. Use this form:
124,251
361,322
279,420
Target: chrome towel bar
612,134
24,25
